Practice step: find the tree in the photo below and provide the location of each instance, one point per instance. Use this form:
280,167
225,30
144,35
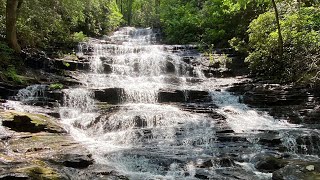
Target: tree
129,12
280,39
12,8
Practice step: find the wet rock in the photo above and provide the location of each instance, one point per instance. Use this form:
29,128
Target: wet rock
14,176
165,96
5,93
270,165
23,124
78,161
213,72
206,164
230,138
170,68
27,122
41,172
201,176
172,80
197,95
7,90
298,170
110,95
56,95
270,138
293,103
136,67
54,114
107,69
105,172
194,80
225,162
183,96
308,144
217,116
140,122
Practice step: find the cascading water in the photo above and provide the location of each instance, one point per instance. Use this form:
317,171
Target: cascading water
32,94
144,139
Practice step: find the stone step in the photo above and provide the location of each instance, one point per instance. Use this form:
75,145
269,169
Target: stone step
109,95
182,96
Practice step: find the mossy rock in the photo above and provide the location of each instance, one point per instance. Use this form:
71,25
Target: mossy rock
298,170
41,172
28,122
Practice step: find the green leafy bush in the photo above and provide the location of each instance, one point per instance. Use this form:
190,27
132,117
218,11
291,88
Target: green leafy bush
79,37
300,61
11,75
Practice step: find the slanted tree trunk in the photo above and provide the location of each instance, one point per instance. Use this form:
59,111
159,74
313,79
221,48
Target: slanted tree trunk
280,39
11,24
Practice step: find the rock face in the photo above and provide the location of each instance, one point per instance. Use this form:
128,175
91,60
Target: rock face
270,164
110,95
78,161
296,104
40,149
298,170
7,90
165,96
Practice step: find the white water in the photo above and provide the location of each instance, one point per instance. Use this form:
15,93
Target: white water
142,132
31,93
144,139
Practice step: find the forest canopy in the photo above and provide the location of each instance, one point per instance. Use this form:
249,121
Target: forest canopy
279,39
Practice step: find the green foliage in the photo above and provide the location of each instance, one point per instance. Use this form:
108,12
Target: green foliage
56,86
2,18
43,23
209,21
11,75
66,64
301,35
181,22
79,37
10,63
6,55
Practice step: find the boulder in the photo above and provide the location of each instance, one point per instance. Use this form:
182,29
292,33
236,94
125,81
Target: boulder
170,68
107,69
298,170
109,95
193,95
27,122
165,96
78,161
270,165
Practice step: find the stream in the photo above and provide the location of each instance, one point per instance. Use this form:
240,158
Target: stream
149,112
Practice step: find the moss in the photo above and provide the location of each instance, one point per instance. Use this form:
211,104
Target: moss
36,119
56,86
41,172
313,176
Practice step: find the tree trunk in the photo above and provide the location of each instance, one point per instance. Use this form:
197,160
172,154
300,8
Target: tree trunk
130,3
280,39
11,24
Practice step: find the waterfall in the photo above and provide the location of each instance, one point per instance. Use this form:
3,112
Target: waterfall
32,94
144,138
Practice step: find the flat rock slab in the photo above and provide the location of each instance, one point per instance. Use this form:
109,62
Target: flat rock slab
28,122
78,161
183,96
